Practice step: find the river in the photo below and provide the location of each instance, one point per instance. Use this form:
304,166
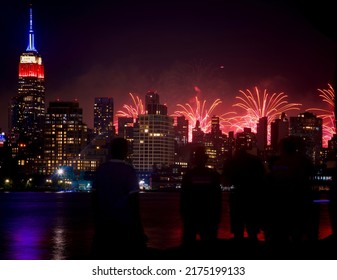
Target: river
58,226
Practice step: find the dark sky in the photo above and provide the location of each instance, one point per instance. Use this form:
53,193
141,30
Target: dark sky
111,48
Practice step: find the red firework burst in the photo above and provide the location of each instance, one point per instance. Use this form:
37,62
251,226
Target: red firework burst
259,104
328,115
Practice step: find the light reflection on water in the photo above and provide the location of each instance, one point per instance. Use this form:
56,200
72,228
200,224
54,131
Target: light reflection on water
58,226
25,236
38,226
58,243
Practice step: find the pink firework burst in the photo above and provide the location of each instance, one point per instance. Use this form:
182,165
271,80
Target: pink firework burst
200,113
133,110
328,114
259,104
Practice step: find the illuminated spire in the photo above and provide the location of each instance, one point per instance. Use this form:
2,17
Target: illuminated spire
31,46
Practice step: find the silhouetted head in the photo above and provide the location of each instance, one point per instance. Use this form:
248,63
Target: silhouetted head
291,145
240,152
119,148
199,156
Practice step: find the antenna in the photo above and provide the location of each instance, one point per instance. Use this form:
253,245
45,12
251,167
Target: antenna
31,46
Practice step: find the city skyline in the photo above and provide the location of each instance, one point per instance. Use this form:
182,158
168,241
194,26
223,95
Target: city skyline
173,48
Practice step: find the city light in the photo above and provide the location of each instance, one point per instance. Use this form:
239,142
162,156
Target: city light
60,171
2,139
201,82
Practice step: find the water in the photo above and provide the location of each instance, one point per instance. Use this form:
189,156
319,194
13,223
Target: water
56,226
44,225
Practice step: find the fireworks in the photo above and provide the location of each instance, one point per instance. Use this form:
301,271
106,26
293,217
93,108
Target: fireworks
328,115
200,113
132,111
257,105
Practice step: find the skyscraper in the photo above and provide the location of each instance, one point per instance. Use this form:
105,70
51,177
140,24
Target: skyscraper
103,117
65,135
262,134
153,138
152,104
309,127
215,143
246,140
27,108
279,129
125,128
181,131
197,134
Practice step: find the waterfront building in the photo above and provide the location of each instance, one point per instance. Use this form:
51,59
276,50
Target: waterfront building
65,135
153,145
92,155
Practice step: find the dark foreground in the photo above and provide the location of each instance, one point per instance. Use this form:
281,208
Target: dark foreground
58,226
229,249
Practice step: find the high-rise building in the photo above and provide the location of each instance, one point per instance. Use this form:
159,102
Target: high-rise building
332,143
332,148
279,129
65,135
216,145
103,117
153,138
152,104
27,108
309,127
262,134
246,140
181,131
125,128
230,146
197,134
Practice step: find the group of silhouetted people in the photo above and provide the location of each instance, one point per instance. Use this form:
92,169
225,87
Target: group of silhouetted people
274,197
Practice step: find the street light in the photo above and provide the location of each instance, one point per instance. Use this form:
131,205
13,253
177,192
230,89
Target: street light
60,171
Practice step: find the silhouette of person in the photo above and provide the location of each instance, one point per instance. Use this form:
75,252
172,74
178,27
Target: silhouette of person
119,231
293,217
245,172
200,204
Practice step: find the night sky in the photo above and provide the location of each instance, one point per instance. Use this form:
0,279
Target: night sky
110,48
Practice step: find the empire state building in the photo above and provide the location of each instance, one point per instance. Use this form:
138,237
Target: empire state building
27,108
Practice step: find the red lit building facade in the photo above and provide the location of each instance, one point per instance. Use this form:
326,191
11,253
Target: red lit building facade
27,108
